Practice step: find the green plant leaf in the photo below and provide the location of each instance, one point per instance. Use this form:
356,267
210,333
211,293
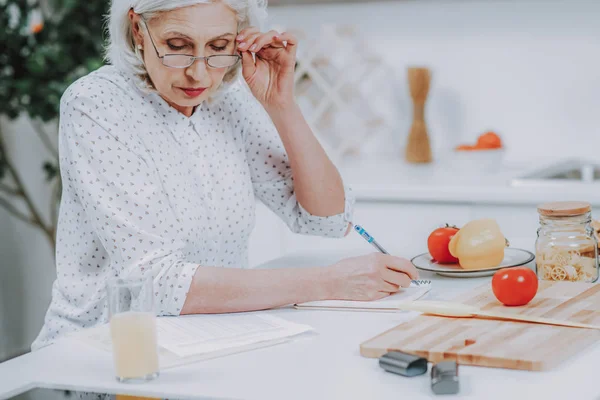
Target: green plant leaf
43,65
51,170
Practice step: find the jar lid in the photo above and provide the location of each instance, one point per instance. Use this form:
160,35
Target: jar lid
564,208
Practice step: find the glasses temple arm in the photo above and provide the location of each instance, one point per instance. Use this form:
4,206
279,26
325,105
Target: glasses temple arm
150,36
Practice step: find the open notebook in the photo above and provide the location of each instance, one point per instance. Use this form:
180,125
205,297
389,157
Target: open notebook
387,304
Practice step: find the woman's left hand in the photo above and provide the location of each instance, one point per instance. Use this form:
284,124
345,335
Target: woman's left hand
271,75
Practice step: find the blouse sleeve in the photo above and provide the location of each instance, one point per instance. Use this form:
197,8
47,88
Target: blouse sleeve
272,176
122,198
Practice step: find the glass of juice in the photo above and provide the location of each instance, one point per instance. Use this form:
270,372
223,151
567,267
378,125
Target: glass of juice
133,328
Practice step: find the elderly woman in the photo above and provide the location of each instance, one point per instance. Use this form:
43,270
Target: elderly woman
163,154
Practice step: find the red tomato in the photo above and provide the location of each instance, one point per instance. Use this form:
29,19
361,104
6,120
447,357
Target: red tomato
515,286
437,243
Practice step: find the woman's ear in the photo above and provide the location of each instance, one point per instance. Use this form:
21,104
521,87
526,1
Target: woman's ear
136,32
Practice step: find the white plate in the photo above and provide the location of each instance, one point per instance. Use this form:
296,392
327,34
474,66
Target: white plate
512,258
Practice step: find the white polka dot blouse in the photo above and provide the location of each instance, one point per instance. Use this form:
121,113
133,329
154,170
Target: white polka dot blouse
147,190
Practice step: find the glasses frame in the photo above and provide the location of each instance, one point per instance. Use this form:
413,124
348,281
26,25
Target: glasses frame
191,57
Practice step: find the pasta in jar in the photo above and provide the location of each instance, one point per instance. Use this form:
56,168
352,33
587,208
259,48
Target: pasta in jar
566,247
563,264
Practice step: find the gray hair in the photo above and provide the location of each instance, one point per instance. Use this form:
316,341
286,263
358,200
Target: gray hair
124,55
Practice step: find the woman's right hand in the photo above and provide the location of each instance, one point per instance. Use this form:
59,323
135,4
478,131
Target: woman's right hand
370,277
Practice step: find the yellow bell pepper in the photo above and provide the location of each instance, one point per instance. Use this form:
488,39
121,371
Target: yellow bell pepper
479,244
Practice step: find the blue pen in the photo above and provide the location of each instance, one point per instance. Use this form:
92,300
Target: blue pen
369,238
359,229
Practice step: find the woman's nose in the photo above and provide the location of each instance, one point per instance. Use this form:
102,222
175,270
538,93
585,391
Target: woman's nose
198,70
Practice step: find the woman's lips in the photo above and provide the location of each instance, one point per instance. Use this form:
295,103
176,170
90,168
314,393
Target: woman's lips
193,92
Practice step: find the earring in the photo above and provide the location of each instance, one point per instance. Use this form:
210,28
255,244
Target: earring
139,46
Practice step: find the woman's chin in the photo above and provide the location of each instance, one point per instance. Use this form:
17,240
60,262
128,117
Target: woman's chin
185,100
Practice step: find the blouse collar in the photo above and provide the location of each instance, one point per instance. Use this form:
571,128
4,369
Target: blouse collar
173,118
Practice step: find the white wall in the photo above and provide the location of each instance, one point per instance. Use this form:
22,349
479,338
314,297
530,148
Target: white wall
26,262
527,69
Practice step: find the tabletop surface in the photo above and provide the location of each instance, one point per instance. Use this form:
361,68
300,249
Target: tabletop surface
325,364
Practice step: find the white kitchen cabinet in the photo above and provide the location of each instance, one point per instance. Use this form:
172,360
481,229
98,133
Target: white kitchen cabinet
519,223
266,240
401,228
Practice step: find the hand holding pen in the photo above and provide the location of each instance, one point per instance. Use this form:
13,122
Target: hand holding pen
368,277
360,230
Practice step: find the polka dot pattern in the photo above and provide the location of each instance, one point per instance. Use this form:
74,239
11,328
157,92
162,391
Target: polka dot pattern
147,190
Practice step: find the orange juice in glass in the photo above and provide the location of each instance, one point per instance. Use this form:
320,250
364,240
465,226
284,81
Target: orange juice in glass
133,329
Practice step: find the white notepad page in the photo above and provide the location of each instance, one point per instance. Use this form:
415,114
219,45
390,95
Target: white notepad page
389,303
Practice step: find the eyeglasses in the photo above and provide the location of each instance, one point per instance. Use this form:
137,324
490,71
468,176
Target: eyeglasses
185,60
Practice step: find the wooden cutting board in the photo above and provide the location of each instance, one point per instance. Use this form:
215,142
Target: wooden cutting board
501,344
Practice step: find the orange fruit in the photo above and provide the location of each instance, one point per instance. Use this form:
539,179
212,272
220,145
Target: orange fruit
465,147
489,140
37,28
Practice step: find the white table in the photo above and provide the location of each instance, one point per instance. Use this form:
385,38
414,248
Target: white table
326,365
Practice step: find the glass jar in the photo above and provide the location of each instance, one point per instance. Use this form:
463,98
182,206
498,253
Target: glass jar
566,247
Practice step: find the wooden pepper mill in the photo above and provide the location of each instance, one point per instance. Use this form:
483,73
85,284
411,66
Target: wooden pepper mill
418,149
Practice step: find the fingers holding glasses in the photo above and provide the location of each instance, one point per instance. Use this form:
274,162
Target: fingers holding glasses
246,37
266,39
287,40
252,40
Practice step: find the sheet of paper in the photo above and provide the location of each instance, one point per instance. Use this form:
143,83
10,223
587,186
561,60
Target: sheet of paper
388,303
200,328
186,339
198,334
